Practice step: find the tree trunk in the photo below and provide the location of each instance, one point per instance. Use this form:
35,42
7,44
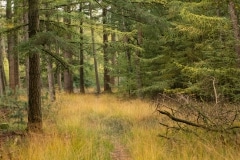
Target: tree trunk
34,96
12,52
10,44
106,77
25,38
51,87
137,60
113,59
68,80
129,67
236,29
2,72
81,69
16,41
67,76
98,90
59,71
128,56
59,78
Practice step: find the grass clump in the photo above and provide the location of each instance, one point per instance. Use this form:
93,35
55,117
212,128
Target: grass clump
117,125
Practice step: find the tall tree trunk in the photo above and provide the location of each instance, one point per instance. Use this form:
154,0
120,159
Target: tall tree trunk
2,72
106,77
16,41
68,80
98,90
59,71
4,54
59,79
51,87
67,76
34,96
25,38
235,24
81,69
129,58
137,60
113,59
12,41
10,44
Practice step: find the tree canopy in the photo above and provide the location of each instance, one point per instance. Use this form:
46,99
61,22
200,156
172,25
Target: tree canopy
143,48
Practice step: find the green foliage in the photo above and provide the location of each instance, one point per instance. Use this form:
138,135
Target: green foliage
15,109
4,126
183,45
192,48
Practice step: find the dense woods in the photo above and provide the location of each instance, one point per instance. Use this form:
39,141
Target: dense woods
136,48
140,48
149,47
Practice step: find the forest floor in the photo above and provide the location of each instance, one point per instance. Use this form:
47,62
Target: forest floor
105,127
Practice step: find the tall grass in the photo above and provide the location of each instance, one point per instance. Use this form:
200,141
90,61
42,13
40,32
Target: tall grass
86,126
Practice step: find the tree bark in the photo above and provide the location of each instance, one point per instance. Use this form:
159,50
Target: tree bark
106,77
113,59
137,60
2,72
59,78
34,96
10,44
68,80
59,69
16,41
25,37
12,39
81,69
98,90
51,87
236,30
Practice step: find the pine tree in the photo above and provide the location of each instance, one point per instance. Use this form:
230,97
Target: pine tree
34,96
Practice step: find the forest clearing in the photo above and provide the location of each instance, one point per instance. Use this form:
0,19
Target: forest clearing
119,80
104,127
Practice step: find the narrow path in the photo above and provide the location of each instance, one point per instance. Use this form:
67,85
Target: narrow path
120,152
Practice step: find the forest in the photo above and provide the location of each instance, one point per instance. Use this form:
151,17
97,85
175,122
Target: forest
133,79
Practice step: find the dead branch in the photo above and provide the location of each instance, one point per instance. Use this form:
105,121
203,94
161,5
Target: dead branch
194,124
185,121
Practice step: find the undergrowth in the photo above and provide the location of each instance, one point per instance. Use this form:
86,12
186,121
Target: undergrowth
85,126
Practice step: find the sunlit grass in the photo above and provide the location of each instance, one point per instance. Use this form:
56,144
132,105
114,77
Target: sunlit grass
84,127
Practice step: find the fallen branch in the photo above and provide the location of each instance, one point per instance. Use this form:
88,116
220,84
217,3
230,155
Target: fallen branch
176,119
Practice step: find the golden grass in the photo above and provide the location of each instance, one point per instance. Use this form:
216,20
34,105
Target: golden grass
85,125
